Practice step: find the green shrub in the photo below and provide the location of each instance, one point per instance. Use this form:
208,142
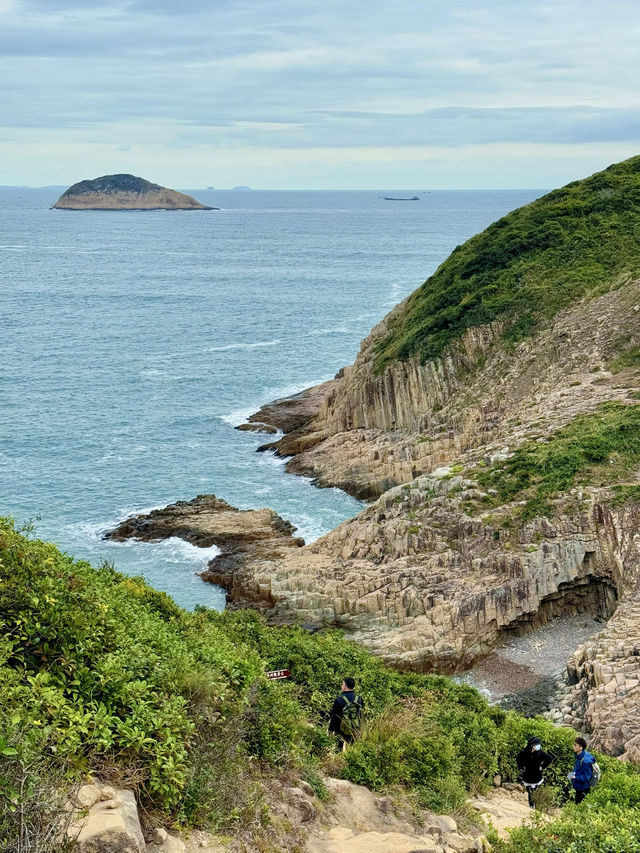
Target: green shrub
594,447
577,241
99,671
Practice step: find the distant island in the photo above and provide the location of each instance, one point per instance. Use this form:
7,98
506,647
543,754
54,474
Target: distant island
124,192
242,187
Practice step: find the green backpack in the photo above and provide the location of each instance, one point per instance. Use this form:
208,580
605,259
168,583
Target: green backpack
351,717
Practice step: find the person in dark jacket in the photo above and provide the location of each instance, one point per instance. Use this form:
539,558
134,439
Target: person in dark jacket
531,761
582,769
346,706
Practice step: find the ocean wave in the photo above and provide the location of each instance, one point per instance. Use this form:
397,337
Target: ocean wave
241,416
88,534
338,330
238,416
254,345
283,391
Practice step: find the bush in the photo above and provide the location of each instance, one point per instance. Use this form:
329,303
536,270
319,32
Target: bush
592,447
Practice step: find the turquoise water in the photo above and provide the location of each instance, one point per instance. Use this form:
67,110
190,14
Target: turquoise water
133,342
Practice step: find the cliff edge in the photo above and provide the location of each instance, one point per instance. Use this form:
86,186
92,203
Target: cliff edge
492,418
124,192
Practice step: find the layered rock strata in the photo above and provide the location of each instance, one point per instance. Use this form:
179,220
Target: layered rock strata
424,576
606,697
428,587
124,192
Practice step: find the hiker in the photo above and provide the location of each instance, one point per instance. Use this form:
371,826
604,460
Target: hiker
531,762
582,775
346,713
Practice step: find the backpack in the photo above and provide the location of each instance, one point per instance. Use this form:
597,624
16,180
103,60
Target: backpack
351,717
596,775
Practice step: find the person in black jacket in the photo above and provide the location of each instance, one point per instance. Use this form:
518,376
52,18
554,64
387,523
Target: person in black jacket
344,719
531,761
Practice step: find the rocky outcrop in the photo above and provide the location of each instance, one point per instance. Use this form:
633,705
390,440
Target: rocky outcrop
124,192
505,809
429,587
291,414
108,821
243,536
606,695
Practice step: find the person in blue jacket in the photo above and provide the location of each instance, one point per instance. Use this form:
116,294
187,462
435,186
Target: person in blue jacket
582,770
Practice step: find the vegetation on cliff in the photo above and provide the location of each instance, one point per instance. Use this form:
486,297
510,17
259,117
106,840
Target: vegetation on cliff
581,240
99,671
597,448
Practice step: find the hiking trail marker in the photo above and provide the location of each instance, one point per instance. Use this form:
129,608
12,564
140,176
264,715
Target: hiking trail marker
278,673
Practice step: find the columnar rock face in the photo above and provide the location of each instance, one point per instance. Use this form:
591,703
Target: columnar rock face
424,576
429,588
373,431
607,693
124,192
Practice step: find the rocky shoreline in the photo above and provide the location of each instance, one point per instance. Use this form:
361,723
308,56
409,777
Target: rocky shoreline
436,574
243,537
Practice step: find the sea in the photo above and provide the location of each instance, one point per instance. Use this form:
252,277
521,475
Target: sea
133,343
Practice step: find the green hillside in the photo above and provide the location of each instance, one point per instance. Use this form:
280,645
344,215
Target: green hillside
581,240
98,671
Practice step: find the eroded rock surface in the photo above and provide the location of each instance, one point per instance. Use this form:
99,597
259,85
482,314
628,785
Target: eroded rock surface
243,536
373,432
426,577
360,821
109,821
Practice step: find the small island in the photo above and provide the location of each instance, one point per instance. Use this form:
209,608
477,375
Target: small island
124,192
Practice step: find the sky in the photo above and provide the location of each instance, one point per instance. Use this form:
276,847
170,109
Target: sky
337,94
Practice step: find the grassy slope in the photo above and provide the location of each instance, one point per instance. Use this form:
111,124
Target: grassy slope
98,670
601,448
576,241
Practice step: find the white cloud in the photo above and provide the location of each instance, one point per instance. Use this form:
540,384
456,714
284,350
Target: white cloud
295,75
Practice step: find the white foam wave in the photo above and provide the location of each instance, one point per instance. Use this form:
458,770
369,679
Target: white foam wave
338,330
240,416
254,345
172,550
284,391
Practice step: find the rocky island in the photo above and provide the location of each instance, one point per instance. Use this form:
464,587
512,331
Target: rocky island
124,192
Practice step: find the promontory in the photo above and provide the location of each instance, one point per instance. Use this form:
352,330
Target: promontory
124,192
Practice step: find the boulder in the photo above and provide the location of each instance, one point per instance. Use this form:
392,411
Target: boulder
110,830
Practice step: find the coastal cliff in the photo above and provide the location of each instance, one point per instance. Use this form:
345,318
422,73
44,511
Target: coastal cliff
538,359
124,192
498,439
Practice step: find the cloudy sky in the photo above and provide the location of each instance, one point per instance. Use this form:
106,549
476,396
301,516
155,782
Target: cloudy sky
325,94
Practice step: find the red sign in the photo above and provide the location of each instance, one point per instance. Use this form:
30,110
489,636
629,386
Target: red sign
278,673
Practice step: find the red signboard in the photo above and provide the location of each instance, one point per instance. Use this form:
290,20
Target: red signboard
278,673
